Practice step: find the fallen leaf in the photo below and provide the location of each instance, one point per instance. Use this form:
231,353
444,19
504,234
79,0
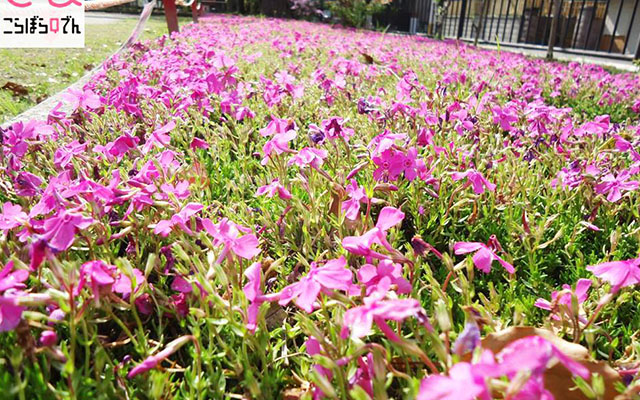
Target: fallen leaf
295,393
16,88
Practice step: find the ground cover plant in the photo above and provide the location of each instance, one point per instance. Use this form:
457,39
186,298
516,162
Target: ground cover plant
259,208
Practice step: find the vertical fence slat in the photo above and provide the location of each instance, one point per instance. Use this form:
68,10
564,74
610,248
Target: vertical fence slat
493,15
486,18
593,16
578,24
526,36
547,20
633,16
513,23
462,16
604,22
615,27
468,28
499,18
567,25
506,22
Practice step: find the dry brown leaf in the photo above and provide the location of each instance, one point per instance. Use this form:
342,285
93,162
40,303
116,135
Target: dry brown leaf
558,379
16,88
296,393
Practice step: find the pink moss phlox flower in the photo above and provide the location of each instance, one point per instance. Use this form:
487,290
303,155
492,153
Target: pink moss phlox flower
273,188
99,275
253,292
333,128
598,127
27,184
124,286
534,354
505,117
465,381
618,273
12,280
10,310
12,216
11,285
364,375
227,233
152,361
278,126
118,148
159,137
179,303
278,144
180,190
531,355
361,245
86,99
181,285
371,276
332,276
413,166
197,143
615,185
390,164
387,141
60,229
308,156
38,251
626,146
48,338
484,255
357,195
359,320
16,139
243,113
475,179
181,220
564,298
569,177
65,153
314,347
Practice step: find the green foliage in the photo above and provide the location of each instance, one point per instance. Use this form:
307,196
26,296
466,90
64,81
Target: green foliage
354,12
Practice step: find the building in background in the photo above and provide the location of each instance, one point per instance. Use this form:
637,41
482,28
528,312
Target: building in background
608,28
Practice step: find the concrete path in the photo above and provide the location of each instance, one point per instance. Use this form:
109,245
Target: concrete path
622,65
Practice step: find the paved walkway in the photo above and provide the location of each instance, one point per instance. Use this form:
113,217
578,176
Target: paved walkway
622,65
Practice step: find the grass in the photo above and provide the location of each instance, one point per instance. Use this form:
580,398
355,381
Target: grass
44,72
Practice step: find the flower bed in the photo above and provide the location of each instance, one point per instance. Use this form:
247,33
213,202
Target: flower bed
264,208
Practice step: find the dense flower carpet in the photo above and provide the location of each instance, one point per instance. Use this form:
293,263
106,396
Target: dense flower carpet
259,208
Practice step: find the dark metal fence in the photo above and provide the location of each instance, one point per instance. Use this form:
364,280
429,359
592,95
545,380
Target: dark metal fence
608,28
